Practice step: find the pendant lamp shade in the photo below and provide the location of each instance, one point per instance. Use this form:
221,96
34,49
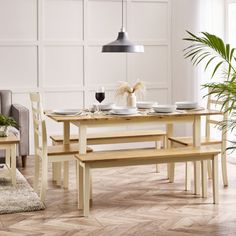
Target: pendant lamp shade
122,43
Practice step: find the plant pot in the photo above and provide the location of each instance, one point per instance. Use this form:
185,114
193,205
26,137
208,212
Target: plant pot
3,131
131,100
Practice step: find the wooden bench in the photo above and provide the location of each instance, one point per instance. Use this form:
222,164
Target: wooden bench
143,157
114,138
117,137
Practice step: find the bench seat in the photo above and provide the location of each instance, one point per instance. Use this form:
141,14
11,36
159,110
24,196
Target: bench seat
68,149
144,157
188,141
116,137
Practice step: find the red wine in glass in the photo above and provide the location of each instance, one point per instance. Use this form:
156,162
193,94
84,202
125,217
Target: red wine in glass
100,96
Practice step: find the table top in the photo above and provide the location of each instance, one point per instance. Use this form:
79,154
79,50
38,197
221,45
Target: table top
9,139
148,116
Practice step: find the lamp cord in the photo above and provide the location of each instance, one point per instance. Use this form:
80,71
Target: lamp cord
122,26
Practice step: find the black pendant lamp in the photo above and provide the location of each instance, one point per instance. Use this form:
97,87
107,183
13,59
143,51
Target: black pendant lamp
122,43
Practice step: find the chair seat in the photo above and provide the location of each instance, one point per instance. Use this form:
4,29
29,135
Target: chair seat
65,149
188,141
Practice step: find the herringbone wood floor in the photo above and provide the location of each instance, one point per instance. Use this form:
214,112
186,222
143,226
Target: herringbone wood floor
128,201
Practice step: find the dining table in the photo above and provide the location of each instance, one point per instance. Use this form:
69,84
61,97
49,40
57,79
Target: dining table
87,119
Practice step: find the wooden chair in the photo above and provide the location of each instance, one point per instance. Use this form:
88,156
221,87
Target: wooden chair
212,103
47,154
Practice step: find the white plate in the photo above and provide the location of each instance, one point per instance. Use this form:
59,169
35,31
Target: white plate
145,104
124,110
186,105
67,111
164,108
104,106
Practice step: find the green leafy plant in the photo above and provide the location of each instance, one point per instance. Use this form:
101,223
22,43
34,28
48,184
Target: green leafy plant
214,53
5,122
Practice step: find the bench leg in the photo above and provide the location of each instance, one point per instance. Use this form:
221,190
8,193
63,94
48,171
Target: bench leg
188,175
91,187
80,171
157,146
215,180
77,176
66,174
171,172
204,178
209,169
197,177
53,171
58,174
170,166
86,189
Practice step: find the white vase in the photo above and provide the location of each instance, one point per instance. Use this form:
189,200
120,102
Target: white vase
131,100
3,131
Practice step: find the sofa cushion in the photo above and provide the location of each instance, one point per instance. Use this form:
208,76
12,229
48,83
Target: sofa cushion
6,102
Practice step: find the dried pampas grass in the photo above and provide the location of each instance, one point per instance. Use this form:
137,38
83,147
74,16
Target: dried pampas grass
125,88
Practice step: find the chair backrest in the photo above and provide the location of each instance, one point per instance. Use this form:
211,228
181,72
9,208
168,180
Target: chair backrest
5,102
40,132
214,103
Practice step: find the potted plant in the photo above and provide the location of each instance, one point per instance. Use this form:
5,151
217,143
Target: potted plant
211,50
125,88
5,122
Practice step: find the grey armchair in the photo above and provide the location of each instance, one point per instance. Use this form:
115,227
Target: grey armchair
21,115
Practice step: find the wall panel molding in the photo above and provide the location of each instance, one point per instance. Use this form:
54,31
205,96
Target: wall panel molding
60,49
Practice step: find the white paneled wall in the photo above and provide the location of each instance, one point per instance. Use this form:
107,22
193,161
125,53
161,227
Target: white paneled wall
54,46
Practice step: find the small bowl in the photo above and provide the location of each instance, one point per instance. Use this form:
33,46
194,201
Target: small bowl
145,104
164,108
122,110
186,105
104,106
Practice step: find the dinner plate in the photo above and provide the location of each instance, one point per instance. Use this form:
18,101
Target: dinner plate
124,110
186,105
164,108
67,111
145,104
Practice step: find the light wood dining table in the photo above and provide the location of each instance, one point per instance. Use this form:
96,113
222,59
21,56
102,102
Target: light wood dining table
91,120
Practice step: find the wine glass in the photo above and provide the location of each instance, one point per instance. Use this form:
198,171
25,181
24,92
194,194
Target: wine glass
100,96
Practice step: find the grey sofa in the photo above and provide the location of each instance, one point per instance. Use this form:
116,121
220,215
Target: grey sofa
21,115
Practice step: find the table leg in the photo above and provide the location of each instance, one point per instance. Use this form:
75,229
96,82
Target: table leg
204,178
170,166
13,164
215,179
197,143
66,132
66,140
8,157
